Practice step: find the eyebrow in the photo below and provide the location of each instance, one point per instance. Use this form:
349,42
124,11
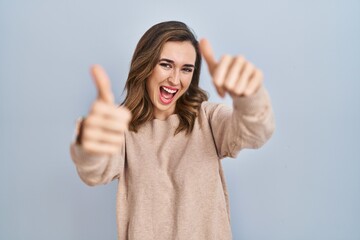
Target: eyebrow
171,61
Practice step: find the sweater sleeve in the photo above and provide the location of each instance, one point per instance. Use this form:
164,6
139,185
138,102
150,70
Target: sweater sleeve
249,124
97,169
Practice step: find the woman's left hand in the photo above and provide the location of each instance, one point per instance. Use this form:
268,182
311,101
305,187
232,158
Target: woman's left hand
232,74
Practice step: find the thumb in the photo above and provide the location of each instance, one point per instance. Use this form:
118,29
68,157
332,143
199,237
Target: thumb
208,54
102,84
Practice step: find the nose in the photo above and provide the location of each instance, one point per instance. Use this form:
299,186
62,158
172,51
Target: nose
174,77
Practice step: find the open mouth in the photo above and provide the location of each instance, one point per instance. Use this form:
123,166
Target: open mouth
167,94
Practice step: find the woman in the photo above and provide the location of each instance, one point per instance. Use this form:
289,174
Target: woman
165,143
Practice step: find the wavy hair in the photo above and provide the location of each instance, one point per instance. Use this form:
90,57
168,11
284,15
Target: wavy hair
144,60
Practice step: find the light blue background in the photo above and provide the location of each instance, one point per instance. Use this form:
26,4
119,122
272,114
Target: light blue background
304,184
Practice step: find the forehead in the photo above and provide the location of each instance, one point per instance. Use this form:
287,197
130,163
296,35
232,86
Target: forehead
179,52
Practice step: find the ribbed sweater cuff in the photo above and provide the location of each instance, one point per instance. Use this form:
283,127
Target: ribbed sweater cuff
83,158
251,104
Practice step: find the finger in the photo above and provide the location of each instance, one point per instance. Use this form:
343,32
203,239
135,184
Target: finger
234,73
255,83
101,148
103,109
110,125
103,136
220,74
244,79
102,83
208,54
110,111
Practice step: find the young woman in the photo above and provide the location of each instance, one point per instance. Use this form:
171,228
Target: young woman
165,143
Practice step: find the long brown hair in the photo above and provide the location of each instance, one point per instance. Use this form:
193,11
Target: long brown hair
144,60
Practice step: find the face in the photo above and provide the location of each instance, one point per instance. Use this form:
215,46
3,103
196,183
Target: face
171,77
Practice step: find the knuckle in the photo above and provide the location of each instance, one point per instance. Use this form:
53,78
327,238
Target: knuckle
229,85
86,146
89,134
95,106
238,90
226,57
240,58
218,79
250,66
247,93
89,121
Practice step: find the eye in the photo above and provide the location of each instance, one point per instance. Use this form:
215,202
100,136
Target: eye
166,65
188,69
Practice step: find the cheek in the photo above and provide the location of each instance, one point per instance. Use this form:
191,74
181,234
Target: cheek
159,74
186,81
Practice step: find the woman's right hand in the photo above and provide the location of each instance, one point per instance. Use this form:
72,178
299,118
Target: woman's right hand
104,127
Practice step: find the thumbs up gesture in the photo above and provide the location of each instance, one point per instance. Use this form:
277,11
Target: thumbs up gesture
231,74
104,127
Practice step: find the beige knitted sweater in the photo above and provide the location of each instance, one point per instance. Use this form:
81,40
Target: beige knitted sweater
173,187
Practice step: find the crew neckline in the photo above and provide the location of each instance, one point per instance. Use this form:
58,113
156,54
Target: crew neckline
172,117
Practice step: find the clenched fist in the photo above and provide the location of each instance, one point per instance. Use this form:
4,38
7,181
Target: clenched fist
232,74
102,131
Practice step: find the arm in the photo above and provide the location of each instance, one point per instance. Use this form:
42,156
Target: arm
251,122
248,125
99,150
95,169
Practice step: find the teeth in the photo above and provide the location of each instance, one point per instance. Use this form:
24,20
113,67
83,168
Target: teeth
169,90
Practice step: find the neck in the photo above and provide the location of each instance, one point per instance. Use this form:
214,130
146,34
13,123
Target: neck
163,115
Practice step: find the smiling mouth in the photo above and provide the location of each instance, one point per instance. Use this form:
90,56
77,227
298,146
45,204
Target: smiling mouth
167,94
